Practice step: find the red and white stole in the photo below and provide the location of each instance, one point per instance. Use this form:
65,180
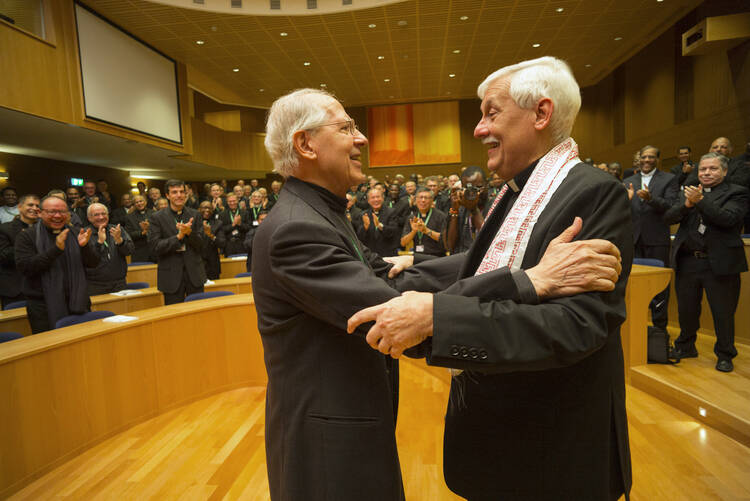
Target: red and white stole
509,245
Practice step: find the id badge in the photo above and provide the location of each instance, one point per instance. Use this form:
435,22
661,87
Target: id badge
235,233
181,248
255,223
701,228
419,248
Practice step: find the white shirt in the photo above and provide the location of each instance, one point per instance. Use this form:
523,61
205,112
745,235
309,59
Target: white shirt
8,213
646,178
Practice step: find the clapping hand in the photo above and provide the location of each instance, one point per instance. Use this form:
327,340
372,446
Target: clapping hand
631,191
366,221
184,229
101,234
693,195
644,194
116,233
83,237
207,229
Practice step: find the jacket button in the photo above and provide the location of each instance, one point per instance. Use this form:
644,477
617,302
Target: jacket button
464,352
474,353
454,350
483,354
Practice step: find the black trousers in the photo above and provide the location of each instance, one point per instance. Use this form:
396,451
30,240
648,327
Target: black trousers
96,288
660,304
36,311
723,293
185,289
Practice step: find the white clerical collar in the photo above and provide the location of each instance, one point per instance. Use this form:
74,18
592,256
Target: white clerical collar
707,190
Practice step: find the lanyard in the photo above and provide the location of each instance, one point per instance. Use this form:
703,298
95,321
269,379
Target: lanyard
256,210
426,220
232,216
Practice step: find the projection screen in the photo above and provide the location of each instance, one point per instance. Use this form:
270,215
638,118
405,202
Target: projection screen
126,82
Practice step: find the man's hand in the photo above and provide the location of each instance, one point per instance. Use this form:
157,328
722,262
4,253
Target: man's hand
644,194
631,191
79,203
116,233
236,221
400,263
83,237
60,239
693,195
687,167
184,229
207,229
569,268
101,234
144,226
376,221
400,323
457,197
414,223
365,221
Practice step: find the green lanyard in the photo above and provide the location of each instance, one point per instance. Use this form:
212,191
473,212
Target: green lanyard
232,216
256,210
427,220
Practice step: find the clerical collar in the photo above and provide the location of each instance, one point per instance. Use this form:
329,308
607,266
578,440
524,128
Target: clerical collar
175,212
519,181
707,190
649,175
335,202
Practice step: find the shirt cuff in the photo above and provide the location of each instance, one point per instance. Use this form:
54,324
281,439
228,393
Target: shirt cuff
526,290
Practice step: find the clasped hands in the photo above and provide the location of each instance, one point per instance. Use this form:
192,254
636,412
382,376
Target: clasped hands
567,268
184,229
693,195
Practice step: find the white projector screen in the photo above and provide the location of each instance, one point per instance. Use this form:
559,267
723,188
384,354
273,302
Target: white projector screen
126,82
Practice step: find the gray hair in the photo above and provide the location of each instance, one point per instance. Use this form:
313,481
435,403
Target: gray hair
93,206
536,79
288,114
723,161
649,147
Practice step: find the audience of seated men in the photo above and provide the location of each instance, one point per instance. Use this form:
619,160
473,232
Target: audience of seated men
9,209
10,278
213,240
51,256
114,245
425,227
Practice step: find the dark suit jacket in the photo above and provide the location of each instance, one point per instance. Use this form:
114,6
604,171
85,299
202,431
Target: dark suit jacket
722,213
383,242
540,412
132,226
211,249
10,277
329,415
738,172
648,217
163,242
233,242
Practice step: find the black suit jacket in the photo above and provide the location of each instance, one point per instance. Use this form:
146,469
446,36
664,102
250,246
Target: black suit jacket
140,240
540,411
10,277
721,211
383,242
648,217
211,249
329,414
163,242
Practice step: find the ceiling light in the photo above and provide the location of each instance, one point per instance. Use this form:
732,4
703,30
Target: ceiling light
283,33
235,70
457,51
386,80
371,25
464,18
214,28
306,63
448,93
380,58
323,85
588,66
390,97
402,22
559,9
452,75
536,45
200,42
659,1
617,39
261,90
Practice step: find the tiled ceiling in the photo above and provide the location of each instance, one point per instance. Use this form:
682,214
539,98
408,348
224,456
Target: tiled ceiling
409,53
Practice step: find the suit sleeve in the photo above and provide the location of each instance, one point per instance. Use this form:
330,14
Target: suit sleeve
159,240
501,335
662,203
729,214
127,247
7,255
323,275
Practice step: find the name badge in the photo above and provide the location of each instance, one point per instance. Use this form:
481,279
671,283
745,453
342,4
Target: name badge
181,248
235,233
255,223
701,228
419,248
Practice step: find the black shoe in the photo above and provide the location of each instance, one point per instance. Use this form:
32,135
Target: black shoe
679,354
724,366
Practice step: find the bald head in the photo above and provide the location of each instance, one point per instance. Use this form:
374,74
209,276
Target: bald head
721,145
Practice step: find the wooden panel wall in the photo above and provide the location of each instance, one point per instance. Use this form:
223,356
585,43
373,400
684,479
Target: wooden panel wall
230,150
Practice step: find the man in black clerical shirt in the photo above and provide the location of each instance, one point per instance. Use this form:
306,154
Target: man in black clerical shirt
175,236
120,214
683,169
213,241
136,224
379,229
708,254
234,224
10,278
51,256
425,227
113,245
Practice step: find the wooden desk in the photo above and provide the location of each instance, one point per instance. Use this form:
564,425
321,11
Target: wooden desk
741,316
231,266
643,284
63,391
16,320
147,272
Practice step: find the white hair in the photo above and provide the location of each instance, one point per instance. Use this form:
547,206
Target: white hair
95,206
538,78
302,109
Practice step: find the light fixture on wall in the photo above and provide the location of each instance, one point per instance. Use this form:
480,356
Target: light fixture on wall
4,176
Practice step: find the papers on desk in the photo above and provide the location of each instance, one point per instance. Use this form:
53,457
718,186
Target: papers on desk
120,319
126,292
239,258
209,282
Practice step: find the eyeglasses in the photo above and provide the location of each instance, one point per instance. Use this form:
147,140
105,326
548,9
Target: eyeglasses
55,212
351,129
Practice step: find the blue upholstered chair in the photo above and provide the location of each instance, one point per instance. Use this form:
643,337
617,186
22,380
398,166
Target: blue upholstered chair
14,305
9,336
207,295
139,263
648,262
243,274
79,319
137,285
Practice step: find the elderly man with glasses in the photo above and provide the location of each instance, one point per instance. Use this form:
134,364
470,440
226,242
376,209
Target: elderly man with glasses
52,256
331,400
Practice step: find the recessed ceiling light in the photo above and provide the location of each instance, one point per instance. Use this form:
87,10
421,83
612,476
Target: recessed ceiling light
536,45
559,9
235,70
214,28
452,75
659,1
261,90
381,58
464,18
386,80
457,51
588,66
390,97
200,42
323,85
617,39
371,25
306,63
448,93
283,33
402,22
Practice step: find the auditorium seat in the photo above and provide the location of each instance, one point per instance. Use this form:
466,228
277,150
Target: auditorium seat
9,336
243,274
14,305
232,256
137,285
207,295
648,262
139,263
79,319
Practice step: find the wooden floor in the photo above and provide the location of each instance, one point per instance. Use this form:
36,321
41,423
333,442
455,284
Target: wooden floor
213,449
695,383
